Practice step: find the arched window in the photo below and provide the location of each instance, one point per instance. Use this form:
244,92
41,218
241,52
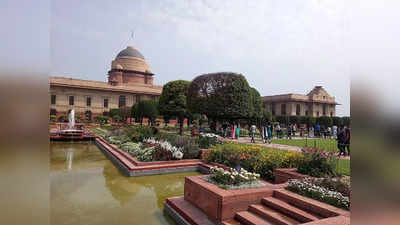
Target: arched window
88,115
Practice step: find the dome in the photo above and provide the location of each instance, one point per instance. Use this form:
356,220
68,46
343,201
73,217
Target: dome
130,52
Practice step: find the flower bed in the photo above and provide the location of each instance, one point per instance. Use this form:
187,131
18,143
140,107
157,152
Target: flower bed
309,188
264,161
254,158
232,179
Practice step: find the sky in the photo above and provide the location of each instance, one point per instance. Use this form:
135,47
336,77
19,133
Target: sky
285,46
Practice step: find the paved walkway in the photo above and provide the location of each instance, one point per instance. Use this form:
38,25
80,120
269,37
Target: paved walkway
247,140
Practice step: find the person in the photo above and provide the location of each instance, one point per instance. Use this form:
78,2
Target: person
311,132
253,132
341,139
237,131
317,130
289,131
329,132
278,130
347,140
334,128
225,129
269,132
294,129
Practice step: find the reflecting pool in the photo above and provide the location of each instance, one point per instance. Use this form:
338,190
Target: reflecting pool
87,189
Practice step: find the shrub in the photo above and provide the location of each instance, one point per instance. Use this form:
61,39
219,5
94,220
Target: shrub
139,133
307,188
53,118
254,158
206,142
318,163
101,119
63,118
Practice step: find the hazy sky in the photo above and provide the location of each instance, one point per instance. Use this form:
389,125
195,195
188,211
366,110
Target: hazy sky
281,46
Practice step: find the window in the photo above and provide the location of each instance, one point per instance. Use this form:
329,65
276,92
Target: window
273,109
317,113
306,112
331,114
298,109
283,109
122,101
138,98
71,100
106,103
53,99
88,101
324,110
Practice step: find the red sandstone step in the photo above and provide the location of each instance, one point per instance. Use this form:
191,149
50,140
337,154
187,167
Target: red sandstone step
231,222
320,209
289,210
249,218
272,215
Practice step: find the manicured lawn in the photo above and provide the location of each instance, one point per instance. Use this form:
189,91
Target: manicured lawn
343,167
324,144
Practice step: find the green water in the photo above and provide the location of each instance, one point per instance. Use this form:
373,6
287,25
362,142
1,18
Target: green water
87,189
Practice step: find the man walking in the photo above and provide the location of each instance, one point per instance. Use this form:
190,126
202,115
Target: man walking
341,139
253,129
347,140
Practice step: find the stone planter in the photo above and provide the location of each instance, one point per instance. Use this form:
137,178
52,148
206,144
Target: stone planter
219,204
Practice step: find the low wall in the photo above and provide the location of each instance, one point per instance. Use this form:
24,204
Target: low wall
282,175
219,204
130,166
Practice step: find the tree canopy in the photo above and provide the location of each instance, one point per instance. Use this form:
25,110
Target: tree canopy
220,96
145,109
173,100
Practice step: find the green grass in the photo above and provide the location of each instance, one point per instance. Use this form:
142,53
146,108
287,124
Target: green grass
324,144
343,167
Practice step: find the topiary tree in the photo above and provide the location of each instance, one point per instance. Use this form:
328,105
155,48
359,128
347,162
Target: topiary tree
221,96
256,107
173,101
294,119
145,109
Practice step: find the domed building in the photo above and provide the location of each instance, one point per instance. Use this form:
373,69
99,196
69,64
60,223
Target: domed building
130,67
129,81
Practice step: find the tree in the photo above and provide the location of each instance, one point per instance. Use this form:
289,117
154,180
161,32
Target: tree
221,96
346,121
337,121
310,121
256,107
173,101
145,109
114,112
294,119
324,121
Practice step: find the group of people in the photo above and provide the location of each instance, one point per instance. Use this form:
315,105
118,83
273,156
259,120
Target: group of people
265,132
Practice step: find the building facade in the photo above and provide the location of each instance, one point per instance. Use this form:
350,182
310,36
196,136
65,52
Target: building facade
316,103
129,81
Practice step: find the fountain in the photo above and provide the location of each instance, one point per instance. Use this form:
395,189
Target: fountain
71,132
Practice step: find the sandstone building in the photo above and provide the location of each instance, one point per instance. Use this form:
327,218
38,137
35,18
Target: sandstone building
129,81
316,103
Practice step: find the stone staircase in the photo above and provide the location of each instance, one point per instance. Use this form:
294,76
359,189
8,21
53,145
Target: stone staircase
275,210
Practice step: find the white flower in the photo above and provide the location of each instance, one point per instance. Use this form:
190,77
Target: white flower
178,155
